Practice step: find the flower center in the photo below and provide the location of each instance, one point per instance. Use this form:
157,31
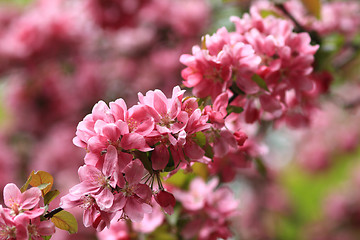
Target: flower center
8,232
88,201
33,230
14,207
133,124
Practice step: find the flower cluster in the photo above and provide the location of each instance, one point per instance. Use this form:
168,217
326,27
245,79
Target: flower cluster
209,210
21,218
121,229
263,63
128,148
340,17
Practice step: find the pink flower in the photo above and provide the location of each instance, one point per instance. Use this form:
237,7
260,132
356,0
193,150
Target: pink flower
22,203
38,228
218,112
136,195
264,59
226,167
240,137
166,112
117,231
208,209
196,197
99,183
166,200
175,122
117,126
151,220
86,202
224,142
207,74
13,229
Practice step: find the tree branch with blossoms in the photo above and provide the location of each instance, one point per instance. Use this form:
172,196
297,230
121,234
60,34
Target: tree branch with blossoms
260,74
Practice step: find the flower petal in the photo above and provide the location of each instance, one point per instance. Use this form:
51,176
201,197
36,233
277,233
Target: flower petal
12,194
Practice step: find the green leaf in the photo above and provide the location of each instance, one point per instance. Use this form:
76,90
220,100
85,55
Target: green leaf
313,7
162,233
65,221
200,169
25,186
50,196
42,177
171,164
260,82
144,158
46,237
265,13
203,43
260,167
209,152
234,109
43,186
20,3
200,139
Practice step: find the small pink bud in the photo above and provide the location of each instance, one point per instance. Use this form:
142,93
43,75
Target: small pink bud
166,200
240,137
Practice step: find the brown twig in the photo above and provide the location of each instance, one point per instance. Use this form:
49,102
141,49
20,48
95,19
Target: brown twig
53,212
298,27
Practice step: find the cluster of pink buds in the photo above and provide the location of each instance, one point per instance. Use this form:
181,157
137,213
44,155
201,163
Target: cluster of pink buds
22,218
127,149
263,63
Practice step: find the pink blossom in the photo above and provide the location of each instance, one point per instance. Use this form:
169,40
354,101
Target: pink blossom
13,229
209,210
38,228
264,58
87,202
151,220
137,196
218,112
22,203
166,200
116,126
196,197
99,183
336,17
224,142
166,112
175,123
207,74
226,167
117,231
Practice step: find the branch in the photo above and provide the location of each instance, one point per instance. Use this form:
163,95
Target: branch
236,92
53,212
313,34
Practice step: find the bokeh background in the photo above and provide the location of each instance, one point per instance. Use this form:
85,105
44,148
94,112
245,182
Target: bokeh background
59,57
